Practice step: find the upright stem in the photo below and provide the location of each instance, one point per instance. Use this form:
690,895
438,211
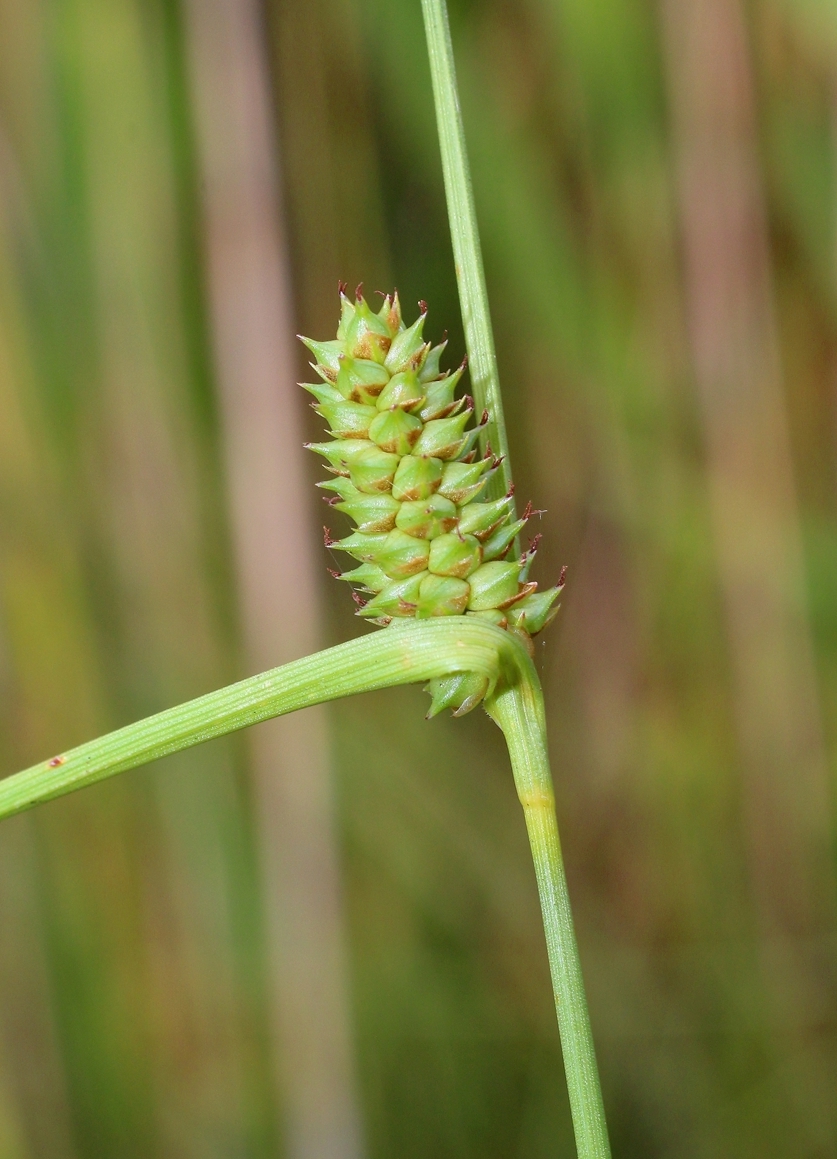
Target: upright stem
518,710
473,296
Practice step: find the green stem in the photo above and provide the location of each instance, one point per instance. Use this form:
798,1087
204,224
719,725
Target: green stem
473,296
519,711
518,707
403,654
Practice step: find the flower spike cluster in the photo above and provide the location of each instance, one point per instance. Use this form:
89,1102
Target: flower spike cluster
406,470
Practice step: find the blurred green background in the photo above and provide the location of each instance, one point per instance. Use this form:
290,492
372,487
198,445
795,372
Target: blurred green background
657,190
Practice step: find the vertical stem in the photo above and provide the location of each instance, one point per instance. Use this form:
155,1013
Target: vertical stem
519,712
467,254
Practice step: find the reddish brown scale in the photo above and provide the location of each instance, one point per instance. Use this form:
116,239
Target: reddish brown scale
327,539
56,761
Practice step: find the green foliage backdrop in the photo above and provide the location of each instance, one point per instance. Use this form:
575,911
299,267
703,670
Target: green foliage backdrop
134,973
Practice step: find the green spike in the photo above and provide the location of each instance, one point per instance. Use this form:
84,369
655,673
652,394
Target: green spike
406,474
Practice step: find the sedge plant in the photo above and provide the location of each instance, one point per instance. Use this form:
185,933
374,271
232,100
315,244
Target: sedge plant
425,475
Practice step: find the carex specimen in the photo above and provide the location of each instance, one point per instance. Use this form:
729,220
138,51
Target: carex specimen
406,470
